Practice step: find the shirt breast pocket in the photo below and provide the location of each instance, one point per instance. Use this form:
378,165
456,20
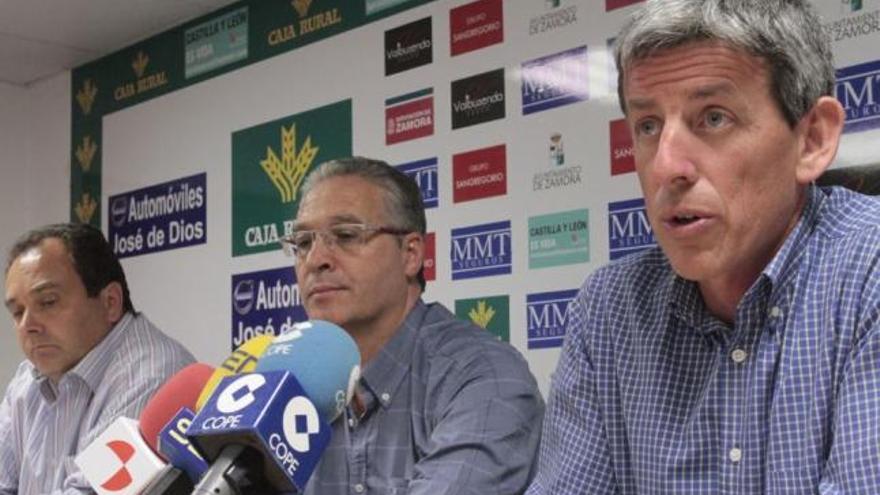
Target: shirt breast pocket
394,486
792,481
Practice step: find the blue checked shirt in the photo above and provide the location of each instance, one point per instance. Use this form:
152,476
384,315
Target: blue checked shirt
654,395
43,426
448,410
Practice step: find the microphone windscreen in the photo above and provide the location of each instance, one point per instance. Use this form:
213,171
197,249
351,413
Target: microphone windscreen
323,358
181,390
242,360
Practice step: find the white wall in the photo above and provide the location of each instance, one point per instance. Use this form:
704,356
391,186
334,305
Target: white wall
34,174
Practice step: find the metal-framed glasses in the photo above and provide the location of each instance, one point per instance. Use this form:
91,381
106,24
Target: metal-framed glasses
347,237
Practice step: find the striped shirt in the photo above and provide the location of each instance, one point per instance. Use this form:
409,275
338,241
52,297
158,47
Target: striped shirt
43,426
448,410
654,395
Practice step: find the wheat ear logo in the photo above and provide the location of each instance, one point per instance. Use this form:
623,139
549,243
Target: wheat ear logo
288,172
86,96
85,153
482,314
301,6
139,64
85,208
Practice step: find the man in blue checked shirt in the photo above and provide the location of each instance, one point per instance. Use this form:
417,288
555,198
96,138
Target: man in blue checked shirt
743,355
442,407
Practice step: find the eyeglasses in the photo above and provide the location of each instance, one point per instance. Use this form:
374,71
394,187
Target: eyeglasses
345,236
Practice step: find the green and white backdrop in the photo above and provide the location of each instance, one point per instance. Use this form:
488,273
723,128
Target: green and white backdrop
188,149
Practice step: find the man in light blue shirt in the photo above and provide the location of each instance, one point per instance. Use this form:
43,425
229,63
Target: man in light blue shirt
742,356
90,357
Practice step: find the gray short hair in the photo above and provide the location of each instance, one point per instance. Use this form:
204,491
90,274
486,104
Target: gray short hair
787,34
403,199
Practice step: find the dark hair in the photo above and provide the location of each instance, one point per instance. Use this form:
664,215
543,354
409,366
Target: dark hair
403,199
786,34
91,254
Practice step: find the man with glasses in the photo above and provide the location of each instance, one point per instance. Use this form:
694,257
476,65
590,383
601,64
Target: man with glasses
442,406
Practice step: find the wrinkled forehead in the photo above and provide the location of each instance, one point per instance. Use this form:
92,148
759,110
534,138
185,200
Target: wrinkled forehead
342,199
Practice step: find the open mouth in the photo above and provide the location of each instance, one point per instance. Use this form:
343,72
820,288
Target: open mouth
684,219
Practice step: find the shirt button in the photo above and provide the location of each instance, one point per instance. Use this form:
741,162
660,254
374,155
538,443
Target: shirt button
738,356
386,397
359,488
352,422
735,454
775,312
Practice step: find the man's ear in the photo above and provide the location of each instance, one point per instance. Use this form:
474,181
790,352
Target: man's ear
413,253
111,300
820,132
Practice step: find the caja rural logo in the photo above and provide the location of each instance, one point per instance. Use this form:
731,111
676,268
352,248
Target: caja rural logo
270,162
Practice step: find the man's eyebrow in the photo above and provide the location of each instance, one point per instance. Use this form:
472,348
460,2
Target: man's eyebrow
722,88
335,219
41,287
701,93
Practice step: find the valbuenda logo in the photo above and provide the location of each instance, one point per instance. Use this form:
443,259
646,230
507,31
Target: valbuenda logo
270,162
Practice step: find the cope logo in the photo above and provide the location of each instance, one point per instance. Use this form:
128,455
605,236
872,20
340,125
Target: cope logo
858,90
481,250
424,173
555,80
478,99
119,480
547,317
622,158
479,174
629,230
616,4
475,25
240,393
301,421
409,116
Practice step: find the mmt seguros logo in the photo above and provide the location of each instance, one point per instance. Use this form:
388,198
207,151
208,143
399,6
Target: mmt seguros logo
858,90
547,317
481,250
629,229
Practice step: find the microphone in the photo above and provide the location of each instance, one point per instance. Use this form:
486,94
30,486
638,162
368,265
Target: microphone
181,390
172,413
122,459
242,360
119,461
265,431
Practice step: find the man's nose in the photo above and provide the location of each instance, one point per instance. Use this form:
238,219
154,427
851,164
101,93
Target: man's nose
320,254
29,322
674,159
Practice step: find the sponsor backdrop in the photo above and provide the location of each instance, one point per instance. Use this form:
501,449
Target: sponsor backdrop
190,148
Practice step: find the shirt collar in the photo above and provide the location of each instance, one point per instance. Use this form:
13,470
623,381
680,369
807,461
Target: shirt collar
92,367
383,375
784,264
687,302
